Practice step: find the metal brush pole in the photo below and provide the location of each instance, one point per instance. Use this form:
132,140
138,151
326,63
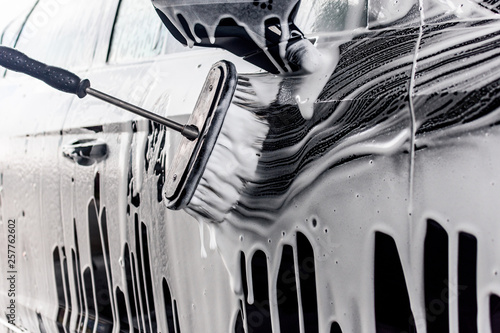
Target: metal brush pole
188,131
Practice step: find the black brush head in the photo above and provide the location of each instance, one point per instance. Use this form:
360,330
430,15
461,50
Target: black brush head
208,116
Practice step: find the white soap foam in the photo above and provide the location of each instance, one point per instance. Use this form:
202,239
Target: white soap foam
317,67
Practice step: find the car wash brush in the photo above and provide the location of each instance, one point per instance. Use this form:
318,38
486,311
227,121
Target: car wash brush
218,152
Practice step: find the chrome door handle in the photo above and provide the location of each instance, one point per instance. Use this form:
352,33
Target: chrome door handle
86,151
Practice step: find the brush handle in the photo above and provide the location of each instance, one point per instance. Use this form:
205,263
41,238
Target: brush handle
55,77
66,81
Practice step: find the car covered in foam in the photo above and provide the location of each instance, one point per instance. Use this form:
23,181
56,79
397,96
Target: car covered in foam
373,205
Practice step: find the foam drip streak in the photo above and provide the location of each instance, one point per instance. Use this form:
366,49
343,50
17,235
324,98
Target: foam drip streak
244,287
60,287
79,294
122,311
249,279
141,279
299,290
66,278
89,289
77,275
100,269
169,313
148,284
109,277
130,291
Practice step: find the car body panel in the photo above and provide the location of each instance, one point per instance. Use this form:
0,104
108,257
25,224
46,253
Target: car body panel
360,217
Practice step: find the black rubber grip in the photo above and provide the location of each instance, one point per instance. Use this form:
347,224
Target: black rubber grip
55,77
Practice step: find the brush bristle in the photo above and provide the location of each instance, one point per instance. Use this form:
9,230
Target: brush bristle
256,91
231,166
